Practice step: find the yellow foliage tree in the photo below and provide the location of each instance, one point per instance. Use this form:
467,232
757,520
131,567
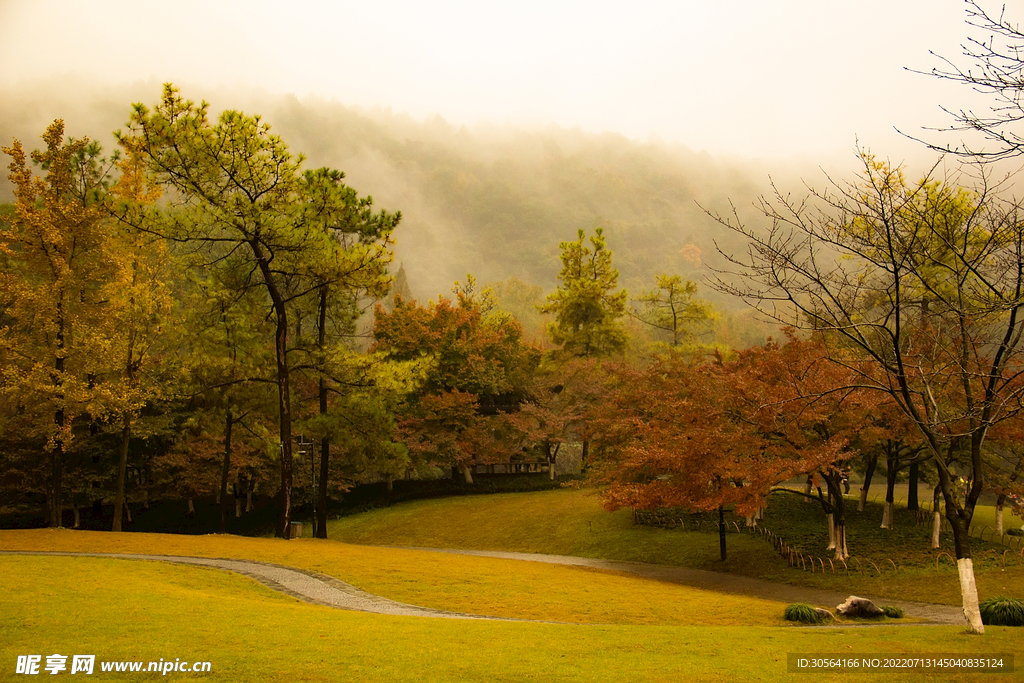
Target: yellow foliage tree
53,295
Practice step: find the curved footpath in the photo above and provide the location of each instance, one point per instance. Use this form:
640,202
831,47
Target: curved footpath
311,587
728,583
320,589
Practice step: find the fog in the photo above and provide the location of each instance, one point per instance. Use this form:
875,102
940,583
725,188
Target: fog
747,78
498,133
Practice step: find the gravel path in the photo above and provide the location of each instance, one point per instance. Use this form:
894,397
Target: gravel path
310,587
728,583
320,589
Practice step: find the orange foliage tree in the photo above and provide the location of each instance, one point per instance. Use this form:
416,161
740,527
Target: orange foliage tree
478,371
725,433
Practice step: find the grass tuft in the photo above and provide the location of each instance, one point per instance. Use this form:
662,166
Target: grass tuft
802,612
1002,611
892,612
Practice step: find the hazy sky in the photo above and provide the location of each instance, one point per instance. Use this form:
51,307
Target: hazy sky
760,78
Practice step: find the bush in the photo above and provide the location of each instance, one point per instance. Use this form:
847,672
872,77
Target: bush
892,612
1002,611
1015,532
801,611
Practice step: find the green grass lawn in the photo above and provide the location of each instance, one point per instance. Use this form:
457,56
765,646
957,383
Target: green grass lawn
130,610
474,585
572,522
613,627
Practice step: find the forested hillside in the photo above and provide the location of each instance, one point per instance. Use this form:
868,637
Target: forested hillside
492,200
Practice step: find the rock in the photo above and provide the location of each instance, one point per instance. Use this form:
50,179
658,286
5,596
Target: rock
859,607
824,614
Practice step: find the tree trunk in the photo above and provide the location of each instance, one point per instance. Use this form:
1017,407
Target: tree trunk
225,469
808,486
842,551
126,431
869,472
969,591
122,471
837,519
467,473
128,512
78,519
55,511
912,486
325,442
191,508
959,517
321,508
831,531
56,506
284,401
249,492
1000,501
890,488
936,517
721,532
552,456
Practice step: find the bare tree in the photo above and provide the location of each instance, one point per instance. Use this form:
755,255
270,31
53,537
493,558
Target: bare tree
995,68
918,287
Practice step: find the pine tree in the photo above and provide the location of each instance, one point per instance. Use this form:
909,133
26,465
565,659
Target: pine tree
586,306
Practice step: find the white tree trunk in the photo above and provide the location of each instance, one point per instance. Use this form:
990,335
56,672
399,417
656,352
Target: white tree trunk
969,589
831,532
145,499
128,511
887,516
999,520
842,552
216,496
807,492
752,520
936,528
191,507
238,507
467,474
78,519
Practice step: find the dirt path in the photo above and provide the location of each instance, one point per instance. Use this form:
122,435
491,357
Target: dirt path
320,589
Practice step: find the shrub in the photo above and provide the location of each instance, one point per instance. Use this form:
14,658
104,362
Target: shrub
1002,611
801,611
892,612
1015,532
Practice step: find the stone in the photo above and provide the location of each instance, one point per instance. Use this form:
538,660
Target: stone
859,607
824,614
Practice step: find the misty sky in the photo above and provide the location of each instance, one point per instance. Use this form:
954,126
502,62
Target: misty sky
756,78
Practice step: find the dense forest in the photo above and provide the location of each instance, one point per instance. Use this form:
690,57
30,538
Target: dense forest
160,292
